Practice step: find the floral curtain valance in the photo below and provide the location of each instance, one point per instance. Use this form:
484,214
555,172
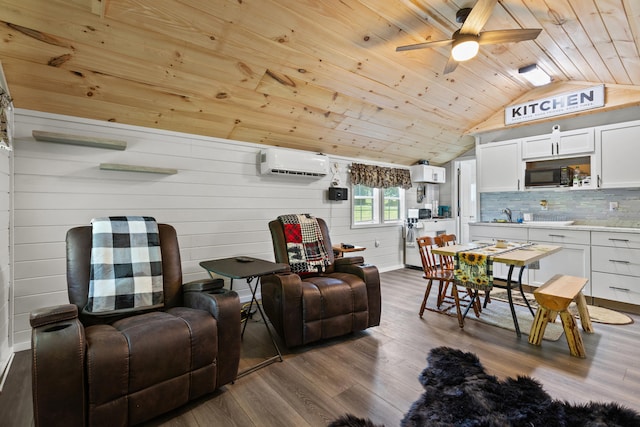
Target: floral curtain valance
380,176
6,118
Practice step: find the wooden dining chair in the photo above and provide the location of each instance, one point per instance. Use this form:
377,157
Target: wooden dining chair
433,271
447,240
448,263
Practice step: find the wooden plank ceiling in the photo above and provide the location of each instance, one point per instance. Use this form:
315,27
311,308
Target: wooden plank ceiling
319,75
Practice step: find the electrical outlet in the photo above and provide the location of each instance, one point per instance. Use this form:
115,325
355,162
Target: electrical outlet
613,206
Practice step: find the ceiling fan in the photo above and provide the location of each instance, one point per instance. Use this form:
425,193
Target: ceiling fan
465,41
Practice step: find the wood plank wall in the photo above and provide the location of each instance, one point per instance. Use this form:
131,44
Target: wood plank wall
218,202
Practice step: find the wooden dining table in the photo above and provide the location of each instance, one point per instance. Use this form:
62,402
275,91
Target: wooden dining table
514,254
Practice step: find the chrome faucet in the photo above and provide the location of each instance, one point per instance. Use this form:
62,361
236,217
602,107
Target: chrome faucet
507,212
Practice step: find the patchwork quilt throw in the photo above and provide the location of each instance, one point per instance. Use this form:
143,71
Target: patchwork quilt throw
305,244
126,265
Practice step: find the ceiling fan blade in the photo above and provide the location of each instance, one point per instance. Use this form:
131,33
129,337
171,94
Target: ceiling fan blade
451,65
478,16
508,36
438,43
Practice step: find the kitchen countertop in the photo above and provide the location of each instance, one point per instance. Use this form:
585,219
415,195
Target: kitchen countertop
584,227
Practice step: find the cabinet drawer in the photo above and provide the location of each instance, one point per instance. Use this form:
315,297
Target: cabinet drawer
618,240
517,233
559,235
616,260
616,287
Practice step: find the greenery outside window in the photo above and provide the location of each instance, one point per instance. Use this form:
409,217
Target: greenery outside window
378,194
377,206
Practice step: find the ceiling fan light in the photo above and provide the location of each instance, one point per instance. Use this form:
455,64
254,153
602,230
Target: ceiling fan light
465,49
536,75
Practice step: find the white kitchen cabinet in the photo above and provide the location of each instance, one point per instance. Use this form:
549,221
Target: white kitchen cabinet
428,173
431,228
574,259
609,258
561,144
617,154
500,166
616,266
488,233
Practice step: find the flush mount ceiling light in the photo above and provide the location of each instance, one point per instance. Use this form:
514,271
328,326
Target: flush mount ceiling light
535,75
465,47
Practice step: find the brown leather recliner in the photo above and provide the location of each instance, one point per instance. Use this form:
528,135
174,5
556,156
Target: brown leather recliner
116,370
345,298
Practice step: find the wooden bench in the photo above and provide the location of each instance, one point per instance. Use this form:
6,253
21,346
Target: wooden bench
554,298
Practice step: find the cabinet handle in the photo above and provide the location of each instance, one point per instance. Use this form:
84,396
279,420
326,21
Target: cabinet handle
615,288
557,148
557,235
598,181
552,148
619,261
618,240
518,184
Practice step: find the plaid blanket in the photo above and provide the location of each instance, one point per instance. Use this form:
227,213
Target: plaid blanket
126,264
305,244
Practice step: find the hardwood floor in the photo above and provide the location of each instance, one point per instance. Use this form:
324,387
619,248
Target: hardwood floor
374,374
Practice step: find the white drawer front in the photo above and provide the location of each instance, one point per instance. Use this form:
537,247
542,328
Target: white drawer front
517,233
618,240
616,287
616,260
559,235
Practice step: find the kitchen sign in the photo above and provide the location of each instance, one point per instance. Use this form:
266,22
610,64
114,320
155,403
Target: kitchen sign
563,103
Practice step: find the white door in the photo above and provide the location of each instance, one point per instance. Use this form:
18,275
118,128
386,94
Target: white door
466,197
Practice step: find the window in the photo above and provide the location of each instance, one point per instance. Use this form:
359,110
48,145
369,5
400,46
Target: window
377,206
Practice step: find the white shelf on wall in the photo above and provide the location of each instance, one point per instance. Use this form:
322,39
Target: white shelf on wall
85,141
136,168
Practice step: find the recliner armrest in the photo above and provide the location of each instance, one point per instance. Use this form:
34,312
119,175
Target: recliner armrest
203,285
225,306
54,314
58,353
371,277
351,260
217,301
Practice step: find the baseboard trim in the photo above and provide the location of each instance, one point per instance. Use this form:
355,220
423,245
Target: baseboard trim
5,371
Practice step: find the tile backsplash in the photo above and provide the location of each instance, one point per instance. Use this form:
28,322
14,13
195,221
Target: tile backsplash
586,207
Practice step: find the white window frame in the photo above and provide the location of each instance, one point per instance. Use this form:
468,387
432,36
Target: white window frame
378,209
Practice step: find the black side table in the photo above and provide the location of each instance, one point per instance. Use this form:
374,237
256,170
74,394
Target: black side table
250,269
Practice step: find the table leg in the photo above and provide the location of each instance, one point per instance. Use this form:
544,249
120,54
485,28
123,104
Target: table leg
253,298
522,291
474,297
275,358
511,306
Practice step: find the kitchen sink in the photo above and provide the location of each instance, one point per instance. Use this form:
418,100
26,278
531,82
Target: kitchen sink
548,223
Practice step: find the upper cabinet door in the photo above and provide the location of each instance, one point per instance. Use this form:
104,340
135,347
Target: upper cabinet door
562,144
618,154
499,166
427,173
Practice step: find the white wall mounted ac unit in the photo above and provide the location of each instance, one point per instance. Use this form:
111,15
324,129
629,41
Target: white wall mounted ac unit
277,161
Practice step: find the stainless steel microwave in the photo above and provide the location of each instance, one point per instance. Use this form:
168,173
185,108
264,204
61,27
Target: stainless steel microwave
552,177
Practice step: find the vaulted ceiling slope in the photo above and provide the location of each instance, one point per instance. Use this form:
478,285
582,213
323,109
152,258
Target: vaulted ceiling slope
319,75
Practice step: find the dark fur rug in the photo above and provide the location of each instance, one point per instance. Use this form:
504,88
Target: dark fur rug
458,392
